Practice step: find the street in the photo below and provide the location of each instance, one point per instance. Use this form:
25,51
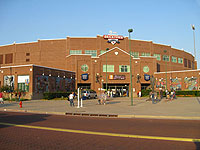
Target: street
26,131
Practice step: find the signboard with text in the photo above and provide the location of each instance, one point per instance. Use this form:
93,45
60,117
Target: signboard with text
113,38
117,77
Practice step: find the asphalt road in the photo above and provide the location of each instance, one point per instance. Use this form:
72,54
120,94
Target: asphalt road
49,132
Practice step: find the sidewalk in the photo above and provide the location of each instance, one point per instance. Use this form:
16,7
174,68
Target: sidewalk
181,108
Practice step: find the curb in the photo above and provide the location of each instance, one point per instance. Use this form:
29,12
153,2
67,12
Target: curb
32,111
159,117
103,115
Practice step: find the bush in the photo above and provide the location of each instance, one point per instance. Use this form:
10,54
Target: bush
5,88
188,93
49,96
181,93
145,92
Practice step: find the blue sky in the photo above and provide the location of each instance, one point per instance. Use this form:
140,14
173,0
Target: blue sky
167,22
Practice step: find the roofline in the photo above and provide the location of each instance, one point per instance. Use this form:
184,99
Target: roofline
28,65
176,71
118,49
79,54
80,37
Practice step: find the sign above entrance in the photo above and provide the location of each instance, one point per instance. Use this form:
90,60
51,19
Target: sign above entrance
84,77
117,77
147,77
113,38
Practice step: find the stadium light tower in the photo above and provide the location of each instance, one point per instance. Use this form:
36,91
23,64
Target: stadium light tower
130,31
193,28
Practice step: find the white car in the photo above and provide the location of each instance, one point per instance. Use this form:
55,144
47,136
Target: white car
89,94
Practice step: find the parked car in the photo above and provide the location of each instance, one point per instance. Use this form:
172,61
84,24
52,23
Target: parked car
89,94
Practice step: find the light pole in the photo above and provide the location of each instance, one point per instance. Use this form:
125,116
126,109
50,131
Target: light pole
130,31
106,71
165,51
193,28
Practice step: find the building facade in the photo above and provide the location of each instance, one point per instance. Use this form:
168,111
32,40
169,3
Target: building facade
102,62
33,80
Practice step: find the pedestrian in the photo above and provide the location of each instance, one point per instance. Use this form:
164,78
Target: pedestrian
101,97
1,98
140,94
104,98
175,94
111,94
167,94
71,99
15,96
152,97
20,95
171,95
161,94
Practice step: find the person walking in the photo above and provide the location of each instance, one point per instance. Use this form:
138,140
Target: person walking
140,94
161,94
104,98
20,95
16,96
1,98
71,99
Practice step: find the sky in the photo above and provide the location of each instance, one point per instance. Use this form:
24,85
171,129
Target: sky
165,22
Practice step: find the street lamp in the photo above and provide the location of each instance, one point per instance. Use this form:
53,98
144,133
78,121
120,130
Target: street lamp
193,28
165,51
130,31
106,70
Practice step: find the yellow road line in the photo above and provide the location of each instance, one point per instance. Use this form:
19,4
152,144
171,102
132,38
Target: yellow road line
105,134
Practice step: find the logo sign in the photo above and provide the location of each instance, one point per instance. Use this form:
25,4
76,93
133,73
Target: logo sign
113,38
117,77
84,77
146,77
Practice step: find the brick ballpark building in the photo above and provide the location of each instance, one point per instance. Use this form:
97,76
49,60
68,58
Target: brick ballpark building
84,59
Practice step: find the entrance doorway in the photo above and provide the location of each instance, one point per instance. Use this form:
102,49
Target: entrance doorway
84,86
144,86
118,90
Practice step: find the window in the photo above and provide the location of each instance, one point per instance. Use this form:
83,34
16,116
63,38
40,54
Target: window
27,60
145,54
158,67
23,83
135,54
27,54
124,68
84,68
165,58
110,68
102,51
75,52
174,59
92,52
157,56
185,62
9,58
1,59
189,64
192,65
145,69
180,60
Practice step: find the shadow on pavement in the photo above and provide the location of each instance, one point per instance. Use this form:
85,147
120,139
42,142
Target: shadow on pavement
110,102
197,144
198,99
8,104
20,118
